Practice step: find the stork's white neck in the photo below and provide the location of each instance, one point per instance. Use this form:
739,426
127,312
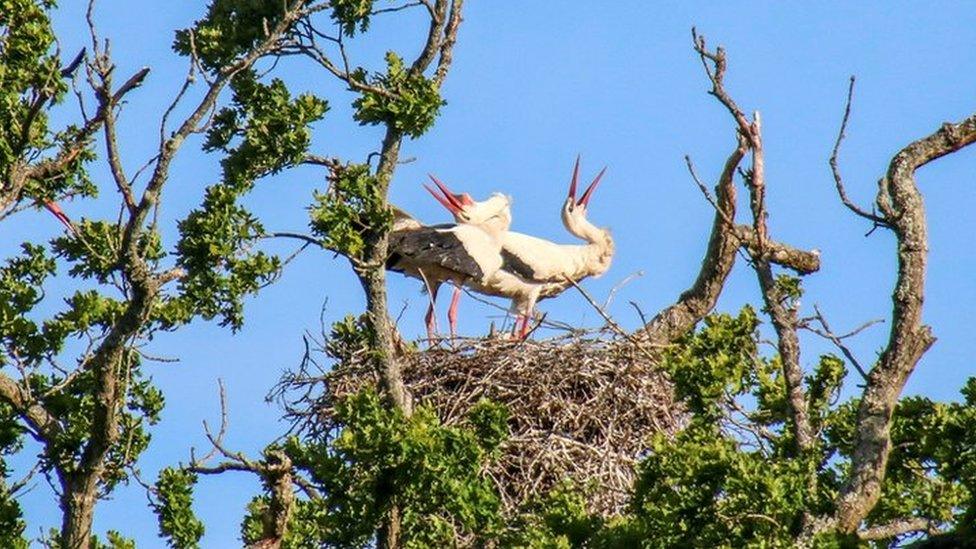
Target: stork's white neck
596,255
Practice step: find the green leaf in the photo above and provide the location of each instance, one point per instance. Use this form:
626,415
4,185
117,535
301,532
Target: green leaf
410,102
177,522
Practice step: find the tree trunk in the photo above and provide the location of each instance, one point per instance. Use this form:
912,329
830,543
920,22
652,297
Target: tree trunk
78,512
373,280
388,536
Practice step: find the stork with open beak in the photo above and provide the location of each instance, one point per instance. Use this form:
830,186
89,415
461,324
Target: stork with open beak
469,252
534,268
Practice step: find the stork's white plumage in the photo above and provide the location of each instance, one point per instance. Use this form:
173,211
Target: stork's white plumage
534,268
459,254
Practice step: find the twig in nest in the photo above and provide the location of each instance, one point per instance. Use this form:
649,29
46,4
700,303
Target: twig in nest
613,291
610,321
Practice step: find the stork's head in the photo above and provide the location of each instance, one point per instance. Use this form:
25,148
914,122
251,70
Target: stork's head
574,211
494,212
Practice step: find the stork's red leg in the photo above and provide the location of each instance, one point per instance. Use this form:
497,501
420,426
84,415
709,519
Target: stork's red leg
431,318
521,328
431,322
452,310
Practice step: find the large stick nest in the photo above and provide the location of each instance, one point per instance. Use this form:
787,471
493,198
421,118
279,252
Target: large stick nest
581,407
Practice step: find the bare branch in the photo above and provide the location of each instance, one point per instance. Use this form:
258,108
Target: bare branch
698,300
603,313
784,316
835,169
616,288
715,65
69,70
132,83
450,38
23,482
396,8
901,201
826,333
222,393
107,104
546,321
187,82
801,261
757,185
310,240
781,307
898,528
434,38
704,190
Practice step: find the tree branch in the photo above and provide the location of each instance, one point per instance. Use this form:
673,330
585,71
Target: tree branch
434,38
21,172
826,333
781,307
835,169
450,38
698,300
901,202
898,528
40,419
108,102
801,261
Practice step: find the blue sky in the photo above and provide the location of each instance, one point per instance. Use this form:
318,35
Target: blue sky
533,84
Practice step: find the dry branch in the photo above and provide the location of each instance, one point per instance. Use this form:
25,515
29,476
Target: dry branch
901,203
698,300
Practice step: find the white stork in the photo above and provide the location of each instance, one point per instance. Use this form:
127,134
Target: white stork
469,252
534,268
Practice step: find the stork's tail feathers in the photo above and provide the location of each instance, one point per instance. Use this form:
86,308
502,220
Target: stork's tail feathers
403,221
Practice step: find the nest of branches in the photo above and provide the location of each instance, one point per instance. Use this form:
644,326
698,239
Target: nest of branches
581,407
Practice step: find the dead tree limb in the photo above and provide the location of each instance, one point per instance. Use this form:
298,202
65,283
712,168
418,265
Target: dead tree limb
698,300
275,471
904,212
780,305
726,237
835,167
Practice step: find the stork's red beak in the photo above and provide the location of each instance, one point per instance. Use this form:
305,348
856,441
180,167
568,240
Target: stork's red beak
55,209
453,202
585,199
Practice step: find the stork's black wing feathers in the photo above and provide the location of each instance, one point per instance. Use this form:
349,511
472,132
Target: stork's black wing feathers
432,246
515,264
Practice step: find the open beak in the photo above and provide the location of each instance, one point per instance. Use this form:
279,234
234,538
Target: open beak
453,202
585,199
55,209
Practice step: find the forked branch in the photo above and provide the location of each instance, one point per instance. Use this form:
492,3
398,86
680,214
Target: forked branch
698,300
901,203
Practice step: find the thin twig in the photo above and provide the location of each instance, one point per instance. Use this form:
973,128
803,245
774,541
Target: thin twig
309,240
396,8
835,169
613,291
829,335
708,196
